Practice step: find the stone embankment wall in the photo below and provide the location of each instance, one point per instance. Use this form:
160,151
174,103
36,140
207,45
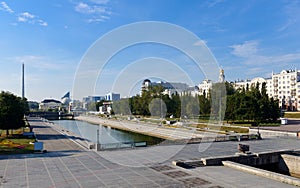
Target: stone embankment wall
290,164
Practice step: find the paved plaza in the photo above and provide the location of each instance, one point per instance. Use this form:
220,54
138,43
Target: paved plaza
67,164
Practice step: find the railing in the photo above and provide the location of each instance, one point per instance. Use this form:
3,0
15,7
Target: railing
219,138
121,145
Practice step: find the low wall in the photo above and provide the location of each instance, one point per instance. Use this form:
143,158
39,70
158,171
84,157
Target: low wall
290,164
264,173
270,133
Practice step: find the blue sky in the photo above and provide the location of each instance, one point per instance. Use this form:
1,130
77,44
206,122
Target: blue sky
248,38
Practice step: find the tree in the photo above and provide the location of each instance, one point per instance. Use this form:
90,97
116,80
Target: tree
12,111
122,107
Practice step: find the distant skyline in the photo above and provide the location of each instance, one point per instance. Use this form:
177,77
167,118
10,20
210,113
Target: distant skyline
248,38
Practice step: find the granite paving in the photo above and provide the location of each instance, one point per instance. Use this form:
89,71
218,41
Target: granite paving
67,164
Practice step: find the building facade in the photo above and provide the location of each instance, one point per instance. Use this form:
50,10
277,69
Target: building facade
171,88
284,86
112,97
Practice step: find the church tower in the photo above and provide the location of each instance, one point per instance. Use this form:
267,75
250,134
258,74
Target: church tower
222,76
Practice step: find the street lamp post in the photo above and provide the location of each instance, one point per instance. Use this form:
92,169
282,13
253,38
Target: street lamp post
98,142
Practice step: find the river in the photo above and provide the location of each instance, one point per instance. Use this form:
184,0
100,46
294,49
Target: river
107,135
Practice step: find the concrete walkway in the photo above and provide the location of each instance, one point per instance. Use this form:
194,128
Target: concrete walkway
292,126
67,164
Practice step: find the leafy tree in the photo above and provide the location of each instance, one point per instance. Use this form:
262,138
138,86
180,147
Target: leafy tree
251,104
122,107
12,111
204,105
33,106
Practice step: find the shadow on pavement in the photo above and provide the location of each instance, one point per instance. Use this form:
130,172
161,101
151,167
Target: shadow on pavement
42,137
51,154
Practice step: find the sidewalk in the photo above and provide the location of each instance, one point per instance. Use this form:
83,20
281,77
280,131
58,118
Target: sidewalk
67,164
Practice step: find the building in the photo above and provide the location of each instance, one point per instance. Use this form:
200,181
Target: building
171,88
89,99
204,87
50,104
284,86
206,84
112,97
106,108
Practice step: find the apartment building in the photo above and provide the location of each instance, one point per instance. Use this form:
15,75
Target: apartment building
284,86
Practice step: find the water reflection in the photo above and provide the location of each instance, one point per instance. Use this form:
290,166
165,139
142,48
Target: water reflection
107,135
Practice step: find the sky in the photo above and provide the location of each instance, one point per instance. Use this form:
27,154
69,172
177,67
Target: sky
52,38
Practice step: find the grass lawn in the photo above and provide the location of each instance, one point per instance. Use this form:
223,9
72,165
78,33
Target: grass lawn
223,128
16,143
292,114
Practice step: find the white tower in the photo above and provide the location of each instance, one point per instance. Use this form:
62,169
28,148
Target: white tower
222,76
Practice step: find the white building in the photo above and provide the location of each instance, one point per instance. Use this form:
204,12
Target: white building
171,88
48,104
284,86
206,84
204,87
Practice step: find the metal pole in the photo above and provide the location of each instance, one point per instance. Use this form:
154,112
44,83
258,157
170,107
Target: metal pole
98,136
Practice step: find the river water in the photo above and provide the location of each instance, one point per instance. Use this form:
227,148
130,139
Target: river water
107,135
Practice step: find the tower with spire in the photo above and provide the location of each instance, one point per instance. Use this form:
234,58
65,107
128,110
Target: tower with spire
222,76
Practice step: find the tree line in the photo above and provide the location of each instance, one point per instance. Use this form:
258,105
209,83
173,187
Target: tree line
252,104
154,103
246,104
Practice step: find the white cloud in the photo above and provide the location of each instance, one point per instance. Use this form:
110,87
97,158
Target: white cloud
97,12
30,18
43,23
24,17
249,49
277,59
290,13
215,2
27,15
100,2
246,50
200,43
5,7
89,9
